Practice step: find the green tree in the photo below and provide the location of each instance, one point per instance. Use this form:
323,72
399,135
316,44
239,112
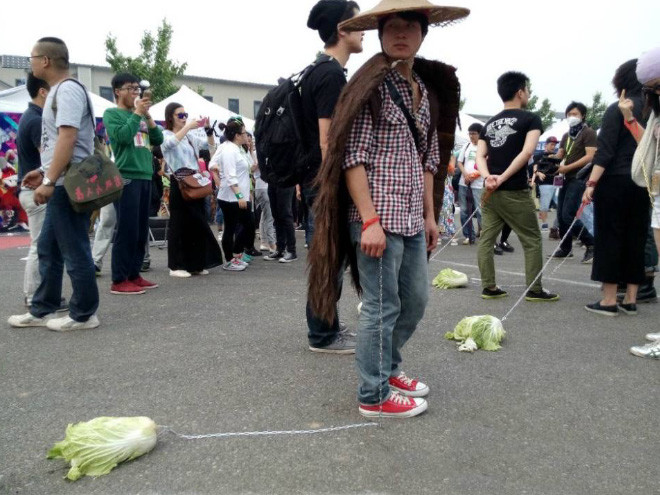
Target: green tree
596,111
544,111
461,103
153,63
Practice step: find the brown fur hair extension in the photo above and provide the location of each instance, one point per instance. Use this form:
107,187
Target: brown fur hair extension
331,244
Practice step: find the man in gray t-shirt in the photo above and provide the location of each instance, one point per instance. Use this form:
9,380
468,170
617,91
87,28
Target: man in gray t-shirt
72,111
67,135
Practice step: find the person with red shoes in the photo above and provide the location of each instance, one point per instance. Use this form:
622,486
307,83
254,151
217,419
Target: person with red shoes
392,130
132,132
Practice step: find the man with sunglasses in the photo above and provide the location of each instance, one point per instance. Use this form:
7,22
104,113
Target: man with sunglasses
132,132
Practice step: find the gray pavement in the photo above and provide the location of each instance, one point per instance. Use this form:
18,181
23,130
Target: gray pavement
562,408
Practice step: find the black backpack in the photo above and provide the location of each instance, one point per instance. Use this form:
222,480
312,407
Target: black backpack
279,134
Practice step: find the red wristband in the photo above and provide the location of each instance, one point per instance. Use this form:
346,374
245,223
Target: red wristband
370,222
591,183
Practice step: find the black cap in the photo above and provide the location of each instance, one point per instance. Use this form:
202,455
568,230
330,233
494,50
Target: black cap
325,16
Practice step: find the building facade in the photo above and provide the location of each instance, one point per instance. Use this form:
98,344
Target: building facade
239,97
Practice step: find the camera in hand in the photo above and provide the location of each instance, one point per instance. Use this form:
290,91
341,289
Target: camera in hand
145,92
548,165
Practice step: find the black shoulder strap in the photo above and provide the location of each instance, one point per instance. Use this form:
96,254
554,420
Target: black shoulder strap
398,100
308,70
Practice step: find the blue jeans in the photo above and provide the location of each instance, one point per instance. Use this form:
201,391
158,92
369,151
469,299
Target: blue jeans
64,240
570,197
404,294
309,194
128,250
468,205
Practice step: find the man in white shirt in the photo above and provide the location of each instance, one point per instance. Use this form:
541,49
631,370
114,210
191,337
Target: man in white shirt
471,184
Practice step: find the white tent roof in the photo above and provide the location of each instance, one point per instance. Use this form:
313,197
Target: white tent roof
466,121
15,100
557,130
196,106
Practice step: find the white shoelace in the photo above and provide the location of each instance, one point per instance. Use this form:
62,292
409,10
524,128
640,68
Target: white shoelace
405,379
397,398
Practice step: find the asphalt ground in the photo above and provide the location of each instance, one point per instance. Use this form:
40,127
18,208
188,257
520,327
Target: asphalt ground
562,408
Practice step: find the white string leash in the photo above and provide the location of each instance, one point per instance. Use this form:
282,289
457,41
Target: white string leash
167,429
538,275
380,327
458,231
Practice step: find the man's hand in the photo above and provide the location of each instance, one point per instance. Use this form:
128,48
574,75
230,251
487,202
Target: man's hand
43,194
32,179
626,105
142,106
492,182
373,241
563,169
432,235
467,179
540,175
242,204
588,195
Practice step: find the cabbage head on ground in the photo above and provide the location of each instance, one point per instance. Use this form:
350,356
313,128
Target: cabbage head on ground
450,279
95,447
485,331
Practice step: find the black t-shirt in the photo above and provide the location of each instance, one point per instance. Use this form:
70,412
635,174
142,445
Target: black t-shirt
28,140
320,91
505,135
547,166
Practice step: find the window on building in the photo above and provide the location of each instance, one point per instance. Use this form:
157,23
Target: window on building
20,81
209,98
106,92
233,105
256,107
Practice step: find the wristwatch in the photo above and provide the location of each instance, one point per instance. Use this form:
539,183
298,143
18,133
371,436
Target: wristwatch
47,182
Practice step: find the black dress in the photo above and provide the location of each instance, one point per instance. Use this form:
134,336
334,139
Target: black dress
621,207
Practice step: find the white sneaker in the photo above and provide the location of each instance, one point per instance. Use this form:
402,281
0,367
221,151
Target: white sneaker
179,273
203,272
29,320
234,265
66,324
651,350
653,336
263,247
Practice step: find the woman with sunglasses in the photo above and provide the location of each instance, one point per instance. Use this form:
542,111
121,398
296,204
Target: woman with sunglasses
234,166
191,246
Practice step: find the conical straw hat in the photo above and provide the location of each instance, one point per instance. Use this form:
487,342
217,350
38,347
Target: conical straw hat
437,15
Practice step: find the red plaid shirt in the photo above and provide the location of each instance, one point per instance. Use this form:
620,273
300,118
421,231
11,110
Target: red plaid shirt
393,164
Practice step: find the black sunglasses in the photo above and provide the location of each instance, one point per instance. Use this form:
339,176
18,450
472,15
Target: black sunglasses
651,89
182,115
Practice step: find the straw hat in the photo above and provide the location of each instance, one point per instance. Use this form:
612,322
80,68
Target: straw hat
438,15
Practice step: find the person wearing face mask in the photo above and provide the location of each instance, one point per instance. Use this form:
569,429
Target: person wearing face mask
577,149
392,131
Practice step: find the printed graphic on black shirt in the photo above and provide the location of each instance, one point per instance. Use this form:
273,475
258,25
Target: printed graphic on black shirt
499,130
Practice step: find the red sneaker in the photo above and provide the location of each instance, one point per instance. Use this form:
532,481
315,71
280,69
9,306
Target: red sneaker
410,387
396,406
143,283
126,288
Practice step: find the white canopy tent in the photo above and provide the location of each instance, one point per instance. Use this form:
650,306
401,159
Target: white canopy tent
15,100
196,106
462,134
557,130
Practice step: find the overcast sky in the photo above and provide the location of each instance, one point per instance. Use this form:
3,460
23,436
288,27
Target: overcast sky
569,49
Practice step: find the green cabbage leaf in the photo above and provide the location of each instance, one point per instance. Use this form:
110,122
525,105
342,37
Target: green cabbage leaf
486,331
450,279
95,447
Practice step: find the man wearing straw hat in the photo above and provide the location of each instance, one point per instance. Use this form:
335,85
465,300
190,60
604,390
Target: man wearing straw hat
393,129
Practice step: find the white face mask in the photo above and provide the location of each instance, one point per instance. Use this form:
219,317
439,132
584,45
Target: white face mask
573,121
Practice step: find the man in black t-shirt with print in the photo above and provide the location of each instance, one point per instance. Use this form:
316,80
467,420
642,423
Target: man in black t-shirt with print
320,91
506,144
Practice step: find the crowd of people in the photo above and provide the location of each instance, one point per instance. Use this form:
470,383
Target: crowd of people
379,190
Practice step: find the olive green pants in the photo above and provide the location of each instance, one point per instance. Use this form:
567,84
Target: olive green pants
517,209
